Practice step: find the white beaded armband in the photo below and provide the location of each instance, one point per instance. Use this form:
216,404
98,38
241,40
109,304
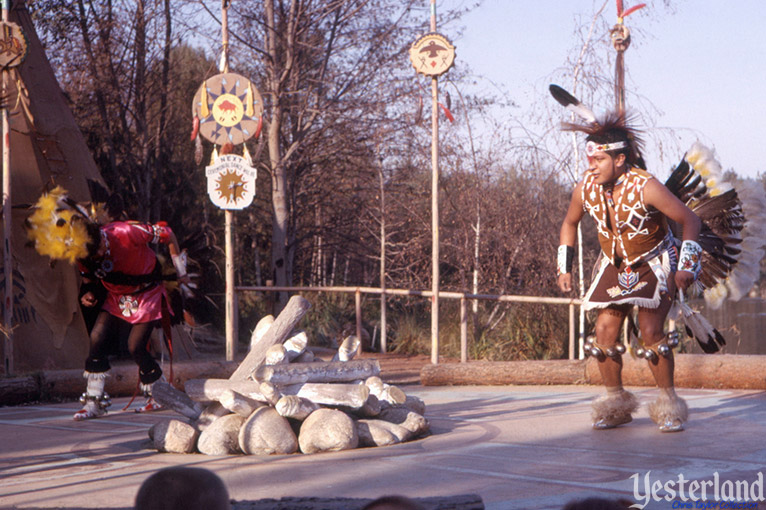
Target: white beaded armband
690,257
564,259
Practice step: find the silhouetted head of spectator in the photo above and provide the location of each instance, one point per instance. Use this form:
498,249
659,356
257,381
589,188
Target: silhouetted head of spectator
598,504
183,488
392,503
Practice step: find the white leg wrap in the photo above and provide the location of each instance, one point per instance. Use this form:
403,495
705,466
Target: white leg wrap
613,409
96,383
669,411
94,400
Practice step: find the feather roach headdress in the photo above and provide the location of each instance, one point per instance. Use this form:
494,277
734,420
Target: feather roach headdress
611,133
60,228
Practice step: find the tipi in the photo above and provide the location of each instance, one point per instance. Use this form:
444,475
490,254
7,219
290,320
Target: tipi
46,147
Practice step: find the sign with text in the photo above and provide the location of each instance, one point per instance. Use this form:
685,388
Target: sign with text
231,182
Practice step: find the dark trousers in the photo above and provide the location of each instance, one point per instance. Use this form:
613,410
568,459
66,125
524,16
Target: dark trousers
105,331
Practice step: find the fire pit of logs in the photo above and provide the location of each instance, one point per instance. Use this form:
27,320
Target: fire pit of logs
280,400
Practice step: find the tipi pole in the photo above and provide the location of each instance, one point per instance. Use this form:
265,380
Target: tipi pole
7,257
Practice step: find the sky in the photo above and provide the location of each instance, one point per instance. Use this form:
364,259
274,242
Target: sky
701,63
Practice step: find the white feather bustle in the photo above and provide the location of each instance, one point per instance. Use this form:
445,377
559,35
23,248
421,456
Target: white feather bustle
614,406
668,408
753,199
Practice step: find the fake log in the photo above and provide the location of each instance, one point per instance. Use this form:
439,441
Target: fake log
348,349
322,372
260,329
306,356
386,392
270,393
210,390
276,355
504,372
176,400
296,345
280,330
353,396
239,403
297,408
349,395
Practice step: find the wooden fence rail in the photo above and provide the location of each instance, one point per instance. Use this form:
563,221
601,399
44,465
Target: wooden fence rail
464,297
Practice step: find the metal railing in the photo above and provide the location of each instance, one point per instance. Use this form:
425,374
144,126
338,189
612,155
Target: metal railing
464,297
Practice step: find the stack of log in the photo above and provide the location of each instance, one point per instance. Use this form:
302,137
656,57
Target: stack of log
280,400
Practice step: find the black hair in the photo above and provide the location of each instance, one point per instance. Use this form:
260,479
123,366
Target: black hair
94,237
613,127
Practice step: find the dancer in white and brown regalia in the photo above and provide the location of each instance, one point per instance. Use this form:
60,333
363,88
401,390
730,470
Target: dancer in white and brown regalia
639,266
695,232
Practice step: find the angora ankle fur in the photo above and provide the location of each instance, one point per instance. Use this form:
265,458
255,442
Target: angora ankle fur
668,408
614,406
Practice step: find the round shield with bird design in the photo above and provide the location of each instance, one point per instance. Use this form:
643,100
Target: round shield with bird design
229,109
432,54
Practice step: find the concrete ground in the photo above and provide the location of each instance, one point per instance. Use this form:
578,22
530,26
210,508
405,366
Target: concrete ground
519,447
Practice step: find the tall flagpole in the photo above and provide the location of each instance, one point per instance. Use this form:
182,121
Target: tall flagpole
433,55
434,206
231,341
7,256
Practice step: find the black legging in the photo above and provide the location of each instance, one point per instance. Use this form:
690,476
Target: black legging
105,331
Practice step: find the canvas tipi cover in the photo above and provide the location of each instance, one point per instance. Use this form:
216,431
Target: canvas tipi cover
46,147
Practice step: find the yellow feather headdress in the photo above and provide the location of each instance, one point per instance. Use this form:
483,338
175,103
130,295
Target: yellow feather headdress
56,229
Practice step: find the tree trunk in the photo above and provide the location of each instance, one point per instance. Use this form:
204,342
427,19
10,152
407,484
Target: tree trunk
279,204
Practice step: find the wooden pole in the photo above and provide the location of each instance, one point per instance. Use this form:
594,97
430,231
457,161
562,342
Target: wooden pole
358,313
464,329
231,333
7,225
231,340
434,206
571,332
383,338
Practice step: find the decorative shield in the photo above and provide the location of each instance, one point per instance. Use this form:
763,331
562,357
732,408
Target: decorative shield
432,55
13,45
229,109
231,182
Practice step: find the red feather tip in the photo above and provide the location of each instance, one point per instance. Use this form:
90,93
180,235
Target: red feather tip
259,127
619,8
632,9
447,113
195,128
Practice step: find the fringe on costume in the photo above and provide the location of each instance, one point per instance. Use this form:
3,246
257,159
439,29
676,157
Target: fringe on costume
614,406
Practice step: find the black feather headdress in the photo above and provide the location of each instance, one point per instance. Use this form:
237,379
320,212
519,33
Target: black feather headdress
610,128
